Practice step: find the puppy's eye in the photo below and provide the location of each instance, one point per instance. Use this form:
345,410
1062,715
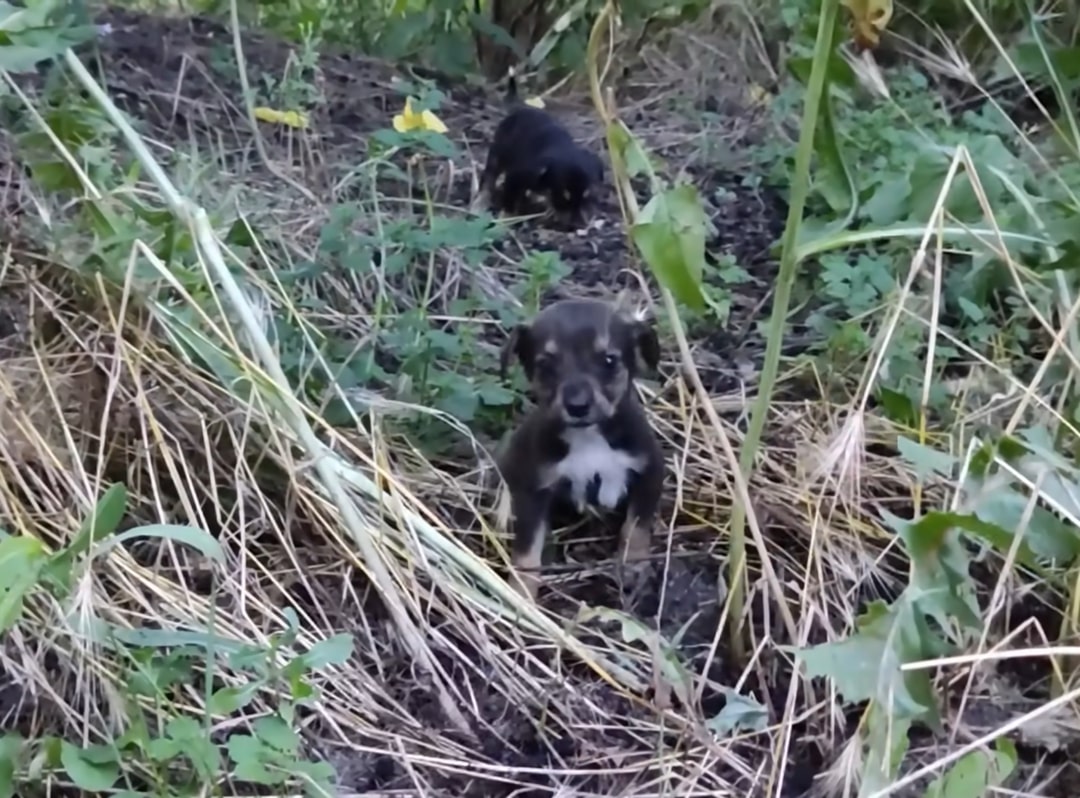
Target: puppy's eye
610,361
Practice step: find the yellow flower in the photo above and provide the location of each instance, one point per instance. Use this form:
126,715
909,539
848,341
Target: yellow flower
759,95
535,102
410,120
290,118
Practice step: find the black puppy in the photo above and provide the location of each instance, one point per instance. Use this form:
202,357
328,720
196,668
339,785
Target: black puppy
588,439
534,153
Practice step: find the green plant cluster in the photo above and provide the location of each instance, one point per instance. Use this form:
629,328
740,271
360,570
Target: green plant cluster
879,169
442,34
167,752
880,165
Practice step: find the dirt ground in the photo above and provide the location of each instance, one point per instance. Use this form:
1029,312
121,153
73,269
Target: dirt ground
169,75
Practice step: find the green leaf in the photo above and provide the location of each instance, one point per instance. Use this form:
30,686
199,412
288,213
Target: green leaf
886,742
670,234
834,178
102,521
866,665
321,776
628,149
275,732
976,773
334,650
10,747
188,535
194,742
229,699
493,395
35,34
925,459
255,771
243,747
92,769
163,749
898,407
815,243
21,561
543,48
634,631
249,754
889,202
1002,510
740,713
940,581
167,638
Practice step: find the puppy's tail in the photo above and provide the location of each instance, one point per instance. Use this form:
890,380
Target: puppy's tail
511,86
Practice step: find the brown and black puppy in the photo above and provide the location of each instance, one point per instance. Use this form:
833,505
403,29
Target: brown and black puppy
588,439
534,153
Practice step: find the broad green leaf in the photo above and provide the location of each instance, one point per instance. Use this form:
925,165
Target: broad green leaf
256,772
834,178
192,738
898,406
249,754
10,747
925,459
102,521
740,714
321,775
886,741
163,749
92,769
229,699
184,728
21,561
274,732
498,35
973,775
866,665
670,234
334,650
1046,535
889,202
939,568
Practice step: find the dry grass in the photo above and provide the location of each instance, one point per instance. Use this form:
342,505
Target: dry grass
462,690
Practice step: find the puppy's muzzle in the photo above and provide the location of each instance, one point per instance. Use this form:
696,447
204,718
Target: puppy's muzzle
577,399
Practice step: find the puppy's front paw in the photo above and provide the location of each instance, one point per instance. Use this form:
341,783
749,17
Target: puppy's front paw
634,579
526,583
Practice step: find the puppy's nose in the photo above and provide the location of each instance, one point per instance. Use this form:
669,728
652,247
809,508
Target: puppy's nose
577,399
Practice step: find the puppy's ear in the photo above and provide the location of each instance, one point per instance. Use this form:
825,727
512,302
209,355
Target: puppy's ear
648,344
518,343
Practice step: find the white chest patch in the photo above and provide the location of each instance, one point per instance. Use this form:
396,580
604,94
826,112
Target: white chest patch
590,458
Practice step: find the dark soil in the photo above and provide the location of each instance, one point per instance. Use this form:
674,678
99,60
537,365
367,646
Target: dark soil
176,77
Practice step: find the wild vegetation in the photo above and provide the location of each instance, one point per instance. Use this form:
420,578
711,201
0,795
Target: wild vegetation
249,389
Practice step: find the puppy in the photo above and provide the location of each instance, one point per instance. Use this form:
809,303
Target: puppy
588,440
535,154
